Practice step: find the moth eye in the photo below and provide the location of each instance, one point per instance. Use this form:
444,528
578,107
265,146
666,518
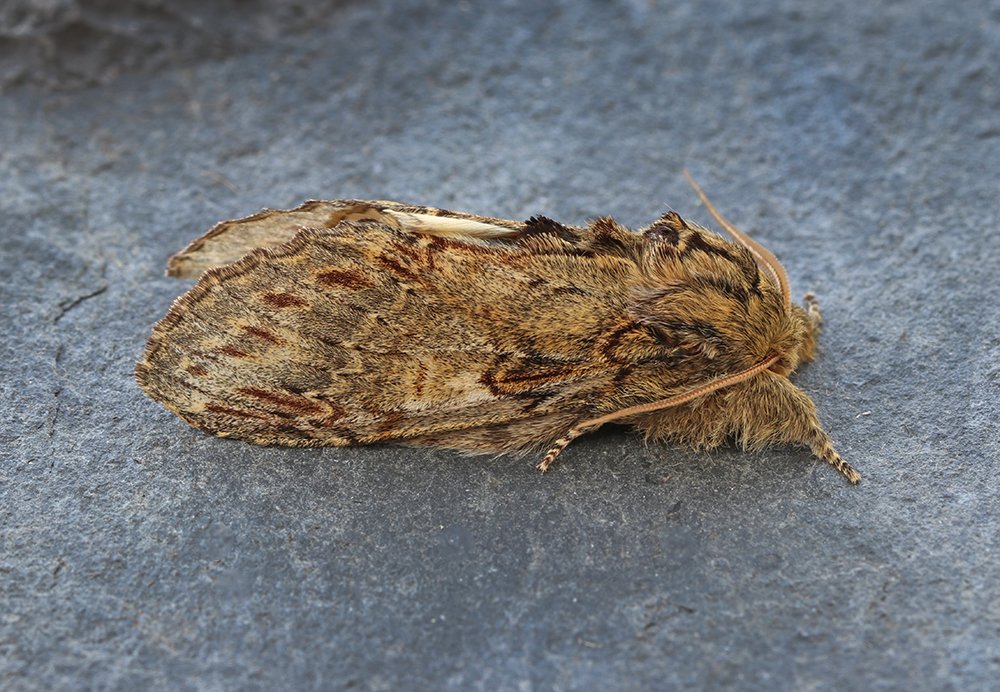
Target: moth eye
689,346
662,336
696,349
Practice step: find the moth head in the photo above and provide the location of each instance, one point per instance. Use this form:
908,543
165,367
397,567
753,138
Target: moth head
716,303
706,303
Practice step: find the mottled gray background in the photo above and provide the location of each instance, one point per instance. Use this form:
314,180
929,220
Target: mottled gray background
861,141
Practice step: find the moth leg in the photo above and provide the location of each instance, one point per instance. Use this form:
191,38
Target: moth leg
822,447
783,413
812,321
813,312
559,445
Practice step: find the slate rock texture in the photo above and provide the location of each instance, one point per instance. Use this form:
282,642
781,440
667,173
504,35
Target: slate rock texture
860,141
72,43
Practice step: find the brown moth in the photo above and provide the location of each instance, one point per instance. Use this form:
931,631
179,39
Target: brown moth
354,322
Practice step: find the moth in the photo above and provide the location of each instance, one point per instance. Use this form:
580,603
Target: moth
353,322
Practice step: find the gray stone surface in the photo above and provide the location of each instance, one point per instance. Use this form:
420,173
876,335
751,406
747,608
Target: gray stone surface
861,141
71,43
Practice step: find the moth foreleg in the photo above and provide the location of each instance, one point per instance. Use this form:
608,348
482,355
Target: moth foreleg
822,447
780,412
812,321
813,312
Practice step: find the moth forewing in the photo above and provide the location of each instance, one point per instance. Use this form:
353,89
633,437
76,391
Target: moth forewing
228,241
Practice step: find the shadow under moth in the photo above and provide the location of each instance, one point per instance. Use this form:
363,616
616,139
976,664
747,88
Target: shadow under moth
355,322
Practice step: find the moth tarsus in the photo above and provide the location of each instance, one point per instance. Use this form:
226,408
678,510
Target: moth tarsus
354,322
558,446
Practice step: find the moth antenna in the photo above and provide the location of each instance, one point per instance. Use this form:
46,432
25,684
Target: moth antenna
763,255
707,388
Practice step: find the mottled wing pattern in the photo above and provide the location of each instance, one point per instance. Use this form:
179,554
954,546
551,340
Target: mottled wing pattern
228,241
371,330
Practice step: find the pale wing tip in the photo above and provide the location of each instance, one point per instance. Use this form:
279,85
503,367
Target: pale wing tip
181,266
